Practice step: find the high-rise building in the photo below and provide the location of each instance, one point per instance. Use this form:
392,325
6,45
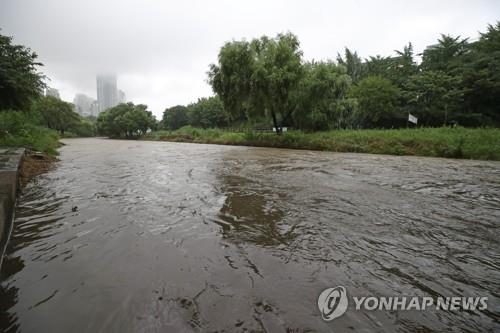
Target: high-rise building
94,108
52,92
121,97
107,94
85,105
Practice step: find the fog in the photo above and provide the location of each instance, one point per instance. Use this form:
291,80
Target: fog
160,50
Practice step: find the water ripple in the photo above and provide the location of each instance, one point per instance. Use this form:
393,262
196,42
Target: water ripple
146,236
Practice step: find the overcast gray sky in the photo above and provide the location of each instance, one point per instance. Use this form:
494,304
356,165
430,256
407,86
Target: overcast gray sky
161,50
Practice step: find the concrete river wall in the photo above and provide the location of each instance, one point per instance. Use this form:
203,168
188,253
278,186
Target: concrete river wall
10,163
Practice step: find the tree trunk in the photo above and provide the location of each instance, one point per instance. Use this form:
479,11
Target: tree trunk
275,122
445,114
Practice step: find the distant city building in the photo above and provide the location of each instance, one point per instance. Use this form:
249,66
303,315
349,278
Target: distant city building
107,93
85,105
94,108
108,96
52,92
121,97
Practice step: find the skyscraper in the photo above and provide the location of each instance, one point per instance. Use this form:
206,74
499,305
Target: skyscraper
85,105
121,96
107,93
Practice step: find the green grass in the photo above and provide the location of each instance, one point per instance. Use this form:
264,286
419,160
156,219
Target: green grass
17,130
37,138
477,143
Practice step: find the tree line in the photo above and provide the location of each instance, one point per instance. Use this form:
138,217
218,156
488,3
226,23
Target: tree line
266,81
25,110
205,113
23,106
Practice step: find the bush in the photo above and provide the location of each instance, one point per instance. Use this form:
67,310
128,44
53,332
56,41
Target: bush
13,123
18,130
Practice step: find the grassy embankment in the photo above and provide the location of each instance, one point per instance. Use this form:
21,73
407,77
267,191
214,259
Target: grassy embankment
477,143
17,129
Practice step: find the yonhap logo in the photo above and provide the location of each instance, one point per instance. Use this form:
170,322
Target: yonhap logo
332,303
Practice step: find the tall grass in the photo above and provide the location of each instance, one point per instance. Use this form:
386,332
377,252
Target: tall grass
17,129
458,142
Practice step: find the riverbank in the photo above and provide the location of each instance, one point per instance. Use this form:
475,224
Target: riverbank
468,143
32,137
11,160
17,167
34,164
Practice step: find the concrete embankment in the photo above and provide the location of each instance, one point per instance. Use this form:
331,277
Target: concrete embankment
10,164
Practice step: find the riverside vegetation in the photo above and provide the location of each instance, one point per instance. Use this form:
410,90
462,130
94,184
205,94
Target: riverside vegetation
347,104
350,105
27,118
474,143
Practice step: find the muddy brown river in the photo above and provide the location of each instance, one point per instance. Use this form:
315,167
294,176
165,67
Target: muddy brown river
132,236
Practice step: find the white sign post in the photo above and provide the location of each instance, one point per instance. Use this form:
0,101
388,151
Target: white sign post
412,119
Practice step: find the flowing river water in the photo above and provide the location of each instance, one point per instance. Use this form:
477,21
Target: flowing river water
135,236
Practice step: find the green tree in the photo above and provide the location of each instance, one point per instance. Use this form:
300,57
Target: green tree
126,120
397,69
208,112
321,98
20,81
435,97
378,66
480,71
258,78
402,66
277,74
445,55
378,103
353,63
83,128
56,114
175,117
231,77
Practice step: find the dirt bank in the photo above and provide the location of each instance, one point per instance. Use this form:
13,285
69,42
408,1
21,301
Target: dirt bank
34,164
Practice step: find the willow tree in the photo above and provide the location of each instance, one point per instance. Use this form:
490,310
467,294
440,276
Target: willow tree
258,77
231,77
321,99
